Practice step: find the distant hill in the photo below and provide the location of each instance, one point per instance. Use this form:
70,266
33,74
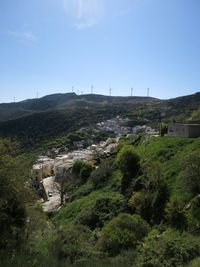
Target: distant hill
63,101
10,111
37,120
40,127
182,107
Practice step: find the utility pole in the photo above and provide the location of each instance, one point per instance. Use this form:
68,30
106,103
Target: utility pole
92,87
78,92
14,99
131,91
72,89
37,95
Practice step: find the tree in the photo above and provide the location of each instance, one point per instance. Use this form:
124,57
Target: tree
129,164
191,173
196,115
63,185
163,129
175,214
102,174
150,201
82,170
168,248
12,206
122,233
104,209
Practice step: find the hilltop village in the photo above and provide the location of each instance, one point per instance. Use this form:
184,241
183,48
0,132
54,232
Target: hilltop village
51,168
47,170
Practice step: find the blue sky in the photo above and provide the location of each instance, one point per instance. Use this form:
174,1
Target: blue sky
48,46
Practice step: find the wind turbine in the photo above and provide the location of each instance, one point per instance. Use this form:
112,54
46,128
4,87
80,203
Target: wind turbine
147,92
131,91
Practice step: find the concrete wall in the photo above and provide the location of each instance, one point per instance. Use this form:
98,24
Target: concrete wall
41,171
194,131
184,130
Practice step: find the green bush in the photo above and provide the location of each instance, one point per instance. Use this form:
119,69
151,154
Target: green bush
164,129
194,263
150,200
122,233
191,173
82,170
193,215
104,209
128,162
73,244
175,214
102,174
167,249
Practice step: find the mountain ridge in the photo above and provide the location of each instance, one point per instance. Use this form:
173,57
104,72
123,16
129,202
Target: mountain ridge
36,121
9,111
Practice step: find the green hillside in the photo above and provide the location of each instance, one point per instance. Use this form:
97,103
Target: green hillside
140,207
68,101
41,120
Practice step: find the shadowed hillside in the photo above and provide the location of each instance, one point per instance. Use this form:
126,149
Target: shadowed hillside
36,120
63,101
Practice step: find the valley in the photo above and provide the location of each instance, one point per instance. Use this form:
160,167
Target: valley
75,183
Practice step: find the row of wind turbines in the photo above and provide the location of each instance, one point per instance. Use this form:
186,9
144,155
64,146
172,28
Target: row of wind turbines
110,91
78,92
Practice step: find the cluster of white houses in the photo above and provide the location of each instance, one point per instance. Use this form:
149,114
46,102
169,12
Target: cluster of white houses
46,166
118,126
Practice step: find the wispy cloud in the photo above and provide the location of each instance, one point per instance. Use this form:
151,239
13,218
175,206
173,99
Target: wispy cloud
123,12
84,13
125,7
24,36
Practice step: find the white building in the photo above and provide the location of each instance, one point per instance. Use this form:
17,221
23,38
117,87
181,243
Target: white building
60,168
42,170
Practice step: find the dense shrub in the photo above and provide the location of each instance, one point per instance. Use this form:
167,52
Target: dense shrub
12,207
82,170
175,213
104,209
191,173
164,129
129,163
102,174
194,263
167,249
72,245
122,233
193,215
152,195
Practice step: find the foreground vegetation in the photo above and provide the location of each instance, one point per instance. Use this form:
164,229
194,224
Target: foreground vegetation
140,207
